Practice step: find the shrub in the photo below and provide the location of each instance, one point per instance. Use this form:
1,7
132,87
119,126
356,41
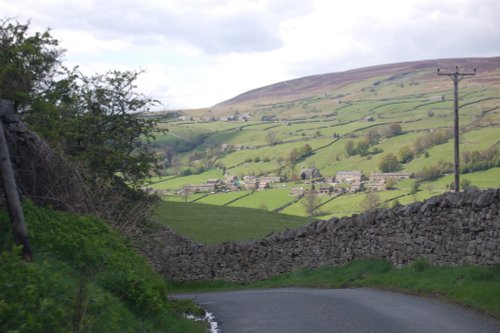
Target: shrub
389,163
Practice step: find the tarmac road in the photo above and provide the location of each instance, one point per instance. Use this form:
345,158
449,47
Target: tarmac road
303,310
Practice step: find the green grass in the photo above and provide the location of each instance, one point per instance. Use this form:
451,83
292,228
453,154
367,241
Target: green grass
483,179
472,286
266,199
178,183
84,277
220,199
214,224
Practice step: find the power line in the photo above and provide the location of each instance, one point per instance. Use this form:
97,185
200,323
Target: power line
456,77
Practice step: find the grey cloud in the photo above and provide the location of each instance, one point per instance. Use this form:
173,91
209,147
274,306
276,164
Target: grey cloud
250,30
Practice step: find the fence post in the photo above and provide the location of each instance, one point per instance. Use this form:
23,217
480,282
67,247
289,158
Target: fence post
10,188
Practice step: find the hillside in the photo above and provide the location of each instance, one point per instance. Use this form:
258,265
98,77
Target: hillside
358,84
402,109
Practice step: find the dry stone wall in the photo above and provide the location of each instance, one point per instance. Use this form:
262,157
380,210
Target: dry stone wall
452,229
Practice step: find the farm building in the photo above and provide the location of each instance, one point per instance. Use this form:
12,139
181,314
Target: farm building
383,177
378,181
201,188
349,177
270,179
310,173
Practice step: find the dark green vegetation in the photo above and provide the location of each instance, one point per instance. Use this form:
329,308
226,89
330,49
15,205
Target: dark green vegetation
474,287
85,278
93,120
214,224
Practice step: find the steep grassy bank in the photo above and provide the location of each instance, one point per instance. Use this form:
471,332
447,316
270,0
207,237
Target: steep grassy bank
474,287
85,278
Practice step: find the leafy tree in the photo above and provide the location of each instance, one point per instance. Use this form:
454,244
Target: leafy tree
370,201
362,147
389,163
306,149
271,138
391,183
372,136
310,202
406,154
350,148
393,130
28,62
95,120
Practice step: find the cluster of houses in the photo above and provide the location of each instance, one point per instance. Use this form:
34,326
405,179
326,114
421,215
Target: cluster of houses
343,181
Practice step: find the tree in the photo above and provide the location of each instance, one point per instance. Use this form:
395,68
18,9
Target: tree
391,183
107,131
405,154
370,201
389,163
271,138
95,120
372,136
310,202
186,192
362,147
28,62
306,150
349,148
394,129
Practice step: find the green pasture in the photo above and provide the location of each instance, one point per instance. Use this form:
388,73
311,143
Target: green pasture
265,199
179,198
483,179
215,224
470,141
178,183
221,199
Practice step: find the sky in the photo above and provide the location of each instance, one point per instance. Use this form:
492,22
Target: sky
197,53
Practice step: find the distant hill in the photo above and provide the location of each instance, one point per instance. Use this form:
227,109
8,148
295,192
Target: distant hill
353,120
361,84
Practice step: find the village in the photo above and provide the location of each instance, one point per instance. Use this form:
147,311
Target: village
343,181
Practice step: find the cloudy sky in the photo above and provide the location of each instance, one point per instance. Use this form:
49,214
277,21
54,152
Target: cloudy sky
197,53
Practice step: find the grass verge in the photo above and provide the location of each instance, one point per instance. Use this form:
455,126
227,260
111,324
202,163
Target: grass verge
85,278
475,287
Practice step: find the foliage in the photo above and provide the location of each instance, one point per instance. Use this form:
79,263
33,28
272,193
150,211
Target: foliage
372,136
85,278
350,148
92,119
362,147
393,130
431,139
406,154
435,171
389,163
310,202
27,61
370,201
480,160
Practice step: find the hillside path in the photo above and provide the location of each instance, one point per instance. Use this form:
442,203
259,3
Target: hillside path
303,310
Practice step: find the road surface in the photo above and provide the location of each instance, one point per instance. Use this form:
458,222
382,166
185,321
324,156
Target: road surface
302,310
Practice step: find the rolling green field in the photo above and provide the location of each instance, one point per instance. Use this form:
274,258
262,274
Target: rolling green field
211,224
266,143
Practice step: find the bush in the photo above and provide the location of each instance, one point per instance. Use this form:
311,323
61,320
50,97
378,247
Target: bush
389,163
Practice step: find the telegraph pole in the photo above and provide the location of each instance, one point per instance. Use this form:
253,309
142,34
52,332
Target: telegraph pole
456,77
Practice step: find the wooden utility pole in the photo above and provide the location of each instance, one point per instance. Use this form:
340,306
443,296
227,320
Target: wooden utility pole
10,189
456,77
